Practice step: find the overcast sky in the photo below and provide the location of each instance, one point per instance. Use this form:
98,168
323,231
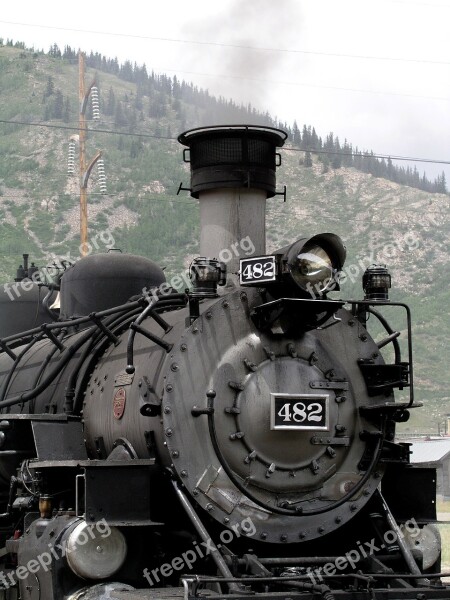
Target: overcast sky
376,72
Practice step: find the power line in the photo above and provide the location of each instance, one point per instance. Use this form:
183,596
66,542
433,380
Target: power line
409,3
366,155
162,137
32,196
297,83
69,128
234,46
289,83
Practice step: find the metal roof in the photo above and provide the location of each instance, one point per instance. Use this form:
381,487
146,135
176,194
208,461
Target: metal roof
430,451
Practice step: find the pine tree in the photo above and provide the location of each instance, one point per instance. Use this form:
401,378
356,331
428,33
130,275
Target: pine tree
110,107
66,115
296,137
440,185
58,105
50,87
336,162
308,160
119,116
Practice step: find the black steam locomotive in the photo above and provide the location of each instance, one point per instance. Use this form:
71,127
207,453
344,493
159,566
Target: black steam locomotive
234,439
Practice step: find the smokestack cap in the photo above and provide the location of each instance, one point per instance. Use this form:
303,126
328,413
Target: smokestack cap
233,156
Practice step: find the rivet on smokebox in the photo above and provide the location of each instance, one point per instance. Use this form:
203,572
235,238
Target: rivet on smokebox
208,315
174,367
169,387
169,432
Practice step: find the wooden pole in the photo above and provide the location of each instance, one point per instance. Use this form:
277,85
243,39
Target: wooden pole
83,182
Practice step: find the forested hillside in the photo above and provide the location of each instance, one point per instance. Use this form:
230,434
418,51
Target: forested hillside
384,212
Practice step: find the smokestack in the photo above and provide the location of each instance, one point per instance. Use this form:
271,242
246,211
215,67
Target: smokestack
232,175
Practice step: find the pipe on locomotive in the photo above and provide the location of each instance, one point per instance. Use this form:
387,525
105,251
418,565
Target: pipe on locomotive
232,175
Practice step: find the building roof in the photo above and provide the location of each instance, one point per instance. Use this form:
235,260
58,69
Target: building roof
430,451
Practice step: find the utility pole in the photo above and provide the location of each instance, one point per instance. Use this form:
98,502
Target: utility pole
85,169
82,142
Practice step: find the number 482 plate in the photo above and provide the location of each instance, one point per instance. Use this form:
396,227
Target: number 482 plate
299,411
258,269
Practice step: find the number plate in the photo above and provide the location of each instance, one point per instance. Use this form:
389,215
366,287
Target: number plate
299,411
259,269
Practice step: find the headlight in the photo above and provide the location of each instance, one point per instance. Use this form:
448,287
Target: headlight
314,263
310,264
308,267
95,553
376,283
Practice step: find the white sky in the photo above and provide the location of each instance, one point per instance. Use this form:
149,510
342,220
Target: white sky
392,95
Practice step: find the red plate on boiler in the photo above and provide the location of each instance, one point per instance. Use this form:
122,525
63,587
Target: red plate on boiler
119,401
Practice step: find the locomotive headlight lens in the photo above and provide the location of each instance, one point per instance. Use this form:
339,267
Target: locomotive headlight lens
311,265
314,263
95,551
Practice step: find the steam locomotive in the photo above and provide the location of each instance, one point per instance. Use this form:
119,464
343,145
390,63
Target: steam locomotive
233,439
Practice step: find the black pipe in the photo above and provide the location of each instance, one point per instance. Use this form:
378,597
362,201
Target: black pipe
153,338
70,395
152,304
7,380
315,588
295,561
383,321
203,533
45,303
64,359
44,365
115,325
72,322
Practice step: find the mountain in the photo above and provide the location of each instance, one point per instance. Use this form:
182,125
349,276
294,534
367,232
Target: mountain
380,220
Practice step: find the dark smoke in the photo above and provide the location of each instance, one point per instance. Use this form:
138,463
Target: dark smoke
249,25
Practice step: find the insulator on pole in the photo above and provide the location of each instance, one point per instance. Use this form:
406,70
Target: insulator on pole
71,158
95,103
101,175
